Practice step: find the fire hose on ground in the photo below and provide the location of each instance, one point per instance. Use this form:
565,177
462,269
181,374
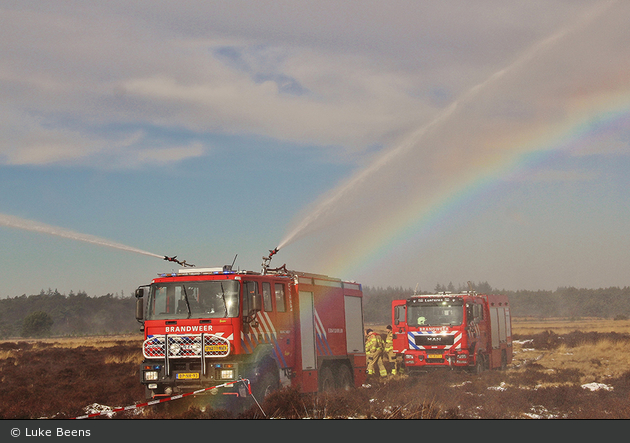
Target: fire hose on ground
174,397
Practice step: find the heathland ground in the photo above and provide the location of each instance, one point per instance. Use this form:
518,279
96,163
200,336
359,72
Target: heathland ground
575,369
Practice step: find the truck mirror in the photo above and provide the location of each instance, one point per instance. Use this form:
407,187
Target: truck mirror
140,291
470,314
139,308
256,302
255,306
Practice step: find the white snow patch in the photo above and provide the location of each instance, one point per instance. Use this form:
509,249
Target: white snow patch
597,386
540,412
502,387
95,408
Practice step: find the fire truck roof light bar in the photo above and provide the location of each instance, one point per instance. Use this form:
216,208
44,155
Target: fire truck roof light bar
227,269
215,270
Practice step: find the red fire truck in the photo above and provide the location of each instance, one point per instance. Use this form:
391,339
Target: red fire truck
206,327
466,330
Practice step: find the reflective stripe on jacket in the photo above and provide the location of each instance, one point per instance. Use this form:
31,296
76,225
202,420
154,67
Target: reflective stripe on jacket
374,343
389,342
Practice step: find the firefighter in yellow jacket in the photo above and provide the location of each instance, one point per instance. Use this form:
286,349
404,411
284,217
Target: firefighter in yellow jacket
391,355
375,351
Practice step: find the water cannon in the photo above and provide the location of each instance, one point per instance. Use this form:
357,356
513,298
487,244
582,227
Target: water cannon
179,262
267,260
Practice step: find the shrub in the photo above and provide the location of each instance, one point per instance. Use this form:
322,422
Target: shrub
37,324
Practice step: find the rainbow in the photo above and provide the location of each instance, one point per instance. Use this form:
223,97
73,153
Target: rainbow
591,118
471,150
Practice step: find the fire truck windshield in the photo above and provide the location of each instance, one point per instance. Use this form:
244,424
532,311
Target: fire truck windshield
435,314
194,299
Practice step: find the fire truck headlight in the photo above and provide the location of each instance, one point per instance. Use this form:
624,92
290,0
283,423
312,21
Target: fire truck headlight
196,348
174,348
227,374
150,375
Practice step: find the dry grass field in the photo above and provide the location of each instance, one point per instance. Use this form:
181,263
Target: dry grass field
561,369
527,326
598,349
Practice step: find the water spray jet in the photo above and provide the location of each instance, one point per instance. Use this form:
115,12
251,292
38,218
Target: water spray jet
30,225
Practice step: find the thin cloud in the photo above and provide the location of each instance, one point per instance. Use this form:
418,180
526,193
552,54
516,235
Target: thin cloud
337,75
170,154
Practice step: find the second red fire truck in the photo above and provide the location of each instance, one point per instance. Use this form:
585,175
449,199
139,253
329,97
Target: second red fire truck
205,327
466,330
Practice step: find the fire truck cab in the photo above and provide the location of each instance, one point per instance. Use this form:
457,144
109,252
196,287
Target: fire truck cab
205,327
466,330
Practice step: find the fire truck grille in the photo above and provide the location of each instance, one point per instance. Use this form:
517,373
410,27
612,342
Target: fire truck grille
434,339
186,346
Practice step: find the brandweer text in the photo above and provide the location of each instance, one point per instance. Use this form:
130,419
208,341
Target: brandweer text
195,328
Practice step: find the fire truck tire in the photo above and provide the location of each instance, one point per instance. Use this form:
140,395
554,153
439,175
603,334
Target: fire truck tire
266,385
480,365
345,381
326,380
503,361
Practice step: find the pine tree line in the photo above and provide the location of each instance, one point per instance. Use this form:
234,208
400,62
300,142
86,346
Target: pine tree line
52,313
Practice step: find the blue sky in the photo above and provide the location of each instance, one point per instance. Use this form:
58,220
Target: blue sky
210,130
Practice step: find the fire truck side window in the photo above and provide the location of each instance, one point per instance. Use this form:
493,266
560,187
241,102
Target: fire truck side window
249,288
267,302
280,298
478,310
474,312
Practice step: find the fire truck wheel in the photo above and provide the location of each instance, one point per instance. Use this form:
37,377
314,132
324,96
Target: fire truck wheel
344,378
266,385
503,360
326,380
479,365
